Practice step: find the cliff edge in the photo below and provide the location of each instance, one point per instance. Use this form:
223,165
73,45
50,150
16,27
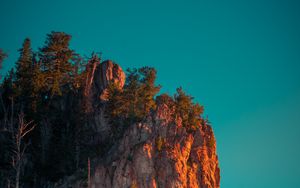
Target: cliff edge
155,152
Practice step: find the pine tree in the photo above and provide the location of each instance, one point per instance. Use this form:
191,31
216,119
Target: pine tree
117,106
24,72
131,94
165,99
187,110
136,99
38,83
56,57
148,89
3,55
183,105
8,95
8,85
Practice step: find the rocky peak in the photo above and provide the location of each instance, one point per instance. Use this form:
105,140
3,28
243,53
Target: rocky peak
100,75
107,72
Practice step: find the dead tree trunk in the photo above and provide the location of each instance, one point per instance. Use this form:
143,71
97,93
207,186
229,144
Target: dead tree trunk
19,133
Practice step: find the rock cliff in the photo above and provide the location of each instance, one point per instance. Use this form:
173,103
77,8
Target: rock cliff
160,153
67,121
157,152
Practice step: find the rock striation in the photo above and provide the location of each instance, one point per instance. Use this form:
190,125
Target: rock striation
159,152
108,72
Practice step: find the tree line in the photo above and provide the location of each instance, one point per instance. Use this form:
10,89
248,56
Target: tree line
46,92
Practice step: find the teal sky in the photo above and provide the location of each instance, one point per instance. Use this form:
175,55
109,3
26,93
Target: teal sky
240,59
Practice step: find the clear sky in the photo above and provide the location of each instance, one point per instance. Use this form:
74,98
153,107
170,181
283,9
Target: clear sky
240,59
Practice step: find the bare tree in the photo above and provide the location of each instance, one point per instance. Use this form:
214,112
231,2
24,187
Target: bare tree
18,134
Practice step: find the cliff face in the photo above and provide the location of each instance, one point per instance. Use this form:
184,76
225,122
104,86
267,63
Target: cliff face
160,153
156,149
157,152
68,122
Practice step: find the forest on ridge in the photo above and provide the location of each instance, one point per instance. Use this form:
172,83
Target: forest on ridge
47,101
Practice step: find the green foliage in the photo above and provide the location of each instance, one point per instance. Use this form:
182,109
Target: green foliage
165,99
136,99
9,86
24,66
56,90
3,55
56,58
37,84
117,104
148,90
189,112
25,75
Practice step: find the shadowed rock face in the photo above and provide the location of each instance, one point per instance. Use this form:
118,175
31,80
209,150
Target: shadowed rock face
160,153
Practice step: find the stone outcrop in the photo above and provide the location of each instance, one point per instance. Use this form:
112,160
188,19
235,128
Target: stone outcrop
155,153
100,75
159,152
108,72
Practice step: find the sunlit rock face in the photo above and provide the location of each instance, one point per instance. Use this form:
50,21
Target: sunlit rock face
99,76
108,72
159,152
